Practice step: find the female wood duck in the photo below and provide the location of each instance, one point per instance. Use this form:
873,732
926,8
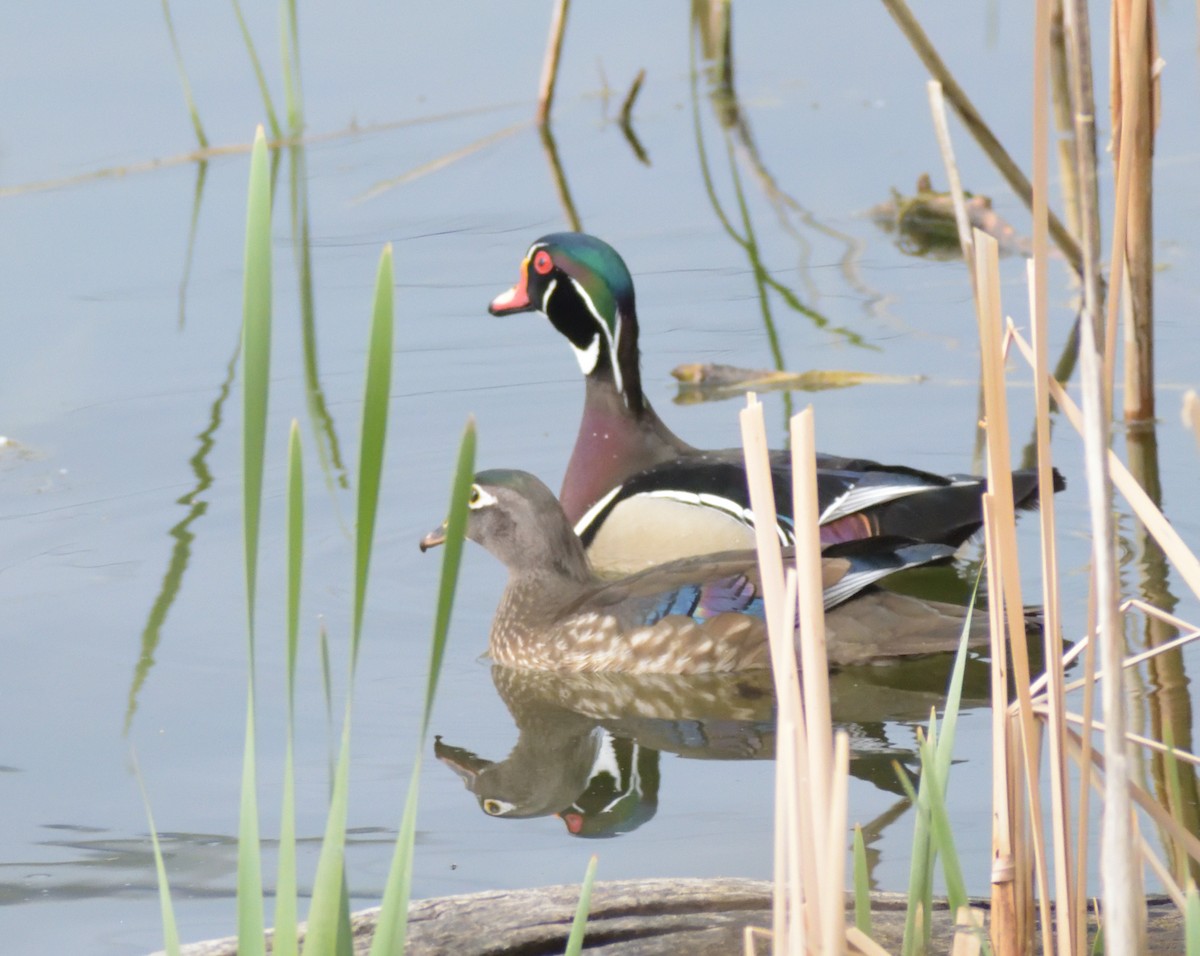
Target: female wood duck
588,744
691,616
638,495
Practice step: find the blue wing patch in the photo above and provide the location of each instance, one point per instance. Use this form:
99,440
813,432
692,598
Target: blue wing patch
701,602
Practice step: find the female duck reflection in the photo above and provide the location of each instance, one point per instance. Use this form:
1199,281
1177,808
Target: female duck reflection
588,745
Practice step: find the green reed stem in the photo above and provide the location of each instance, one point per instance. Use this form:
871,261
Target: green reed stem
256,362
373,438
931,833
256,365
862,883
579,924
324,911
170,928
391,928
285,941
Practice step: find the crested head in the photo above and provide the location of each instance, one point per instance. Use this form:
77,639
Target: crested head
584,288
518,519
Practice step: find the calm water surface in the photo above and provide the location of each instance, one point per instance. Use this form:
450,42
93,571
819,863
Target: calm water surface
120,506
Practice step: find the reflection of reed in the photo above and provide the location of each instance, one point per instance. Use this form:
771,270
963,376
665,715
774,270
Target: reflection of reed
328,450
560,178
713,24
328,447
201,176
183,535
1169,700
736,135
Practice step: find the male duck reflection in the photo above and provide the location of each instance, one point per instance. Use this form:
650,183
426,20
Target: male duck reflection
691,616
638,495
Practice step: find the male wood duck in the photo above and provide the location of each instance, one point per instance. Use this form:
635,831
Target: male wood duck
690,616
638,495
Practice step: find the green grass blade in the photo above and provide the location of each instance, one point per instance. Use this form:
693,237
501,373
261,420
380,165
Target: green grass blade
250,922
943,836
183,78
256,361
391,928
862,884
323,912
170,929
917,927
926,844
285,940
272,119
326,679
295,555
373,438
945,750
1191,920
579,924
464,473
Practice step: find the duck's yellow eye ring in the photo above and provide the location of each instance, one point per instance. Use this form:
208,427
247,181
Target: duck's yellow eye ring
480,498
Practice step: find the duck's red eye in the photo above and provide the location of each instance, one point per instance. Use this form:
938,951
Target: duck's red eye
542,263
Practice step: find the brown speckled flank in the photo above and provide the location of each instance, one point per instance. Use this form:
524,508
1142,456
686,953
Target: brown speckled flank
555,614
595,641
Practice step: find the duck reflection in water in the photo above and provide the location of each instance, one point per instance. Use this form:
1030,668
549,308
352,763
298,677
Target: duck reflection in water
588,744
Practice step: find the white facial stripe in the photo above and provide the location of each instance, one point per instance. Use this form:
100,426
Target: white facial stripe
604,330
590,515
480,498
546,296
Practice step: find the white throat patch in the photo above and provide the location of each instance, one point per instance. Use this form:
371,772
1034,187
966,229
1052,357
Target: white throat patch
593,350
588,357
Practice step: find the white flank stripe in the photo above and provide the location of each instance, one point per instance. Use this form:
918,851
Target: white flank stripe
590,515
728,506
855,500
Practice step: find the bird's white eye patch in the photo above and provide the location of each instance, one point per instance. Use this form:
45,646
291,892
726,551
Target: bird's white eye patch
480,498
497,808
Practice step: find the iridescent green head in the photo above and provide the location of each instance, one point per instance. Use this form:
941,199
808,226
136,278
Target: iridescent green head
584,288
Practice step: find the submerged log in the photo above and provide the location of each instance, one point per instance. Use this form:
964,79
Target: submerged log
642,918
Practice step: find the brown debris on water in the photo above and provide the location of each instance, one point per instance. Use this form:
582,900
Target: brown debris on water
713,382
924,222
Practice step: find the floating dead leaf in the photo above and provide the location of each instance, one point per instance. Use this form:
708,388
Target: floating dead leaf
708,382
924,223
